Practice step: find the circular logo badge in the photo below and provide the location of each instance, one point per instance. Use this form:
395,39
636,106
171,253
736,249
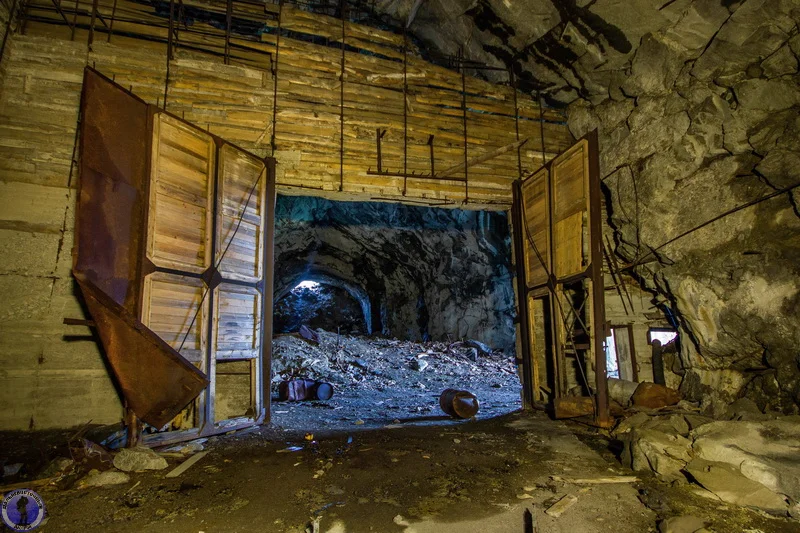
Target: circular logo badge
23,510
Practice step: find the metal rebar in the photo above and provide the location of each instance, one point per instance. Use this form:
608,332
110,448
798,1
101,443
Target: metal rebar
111,24
464,113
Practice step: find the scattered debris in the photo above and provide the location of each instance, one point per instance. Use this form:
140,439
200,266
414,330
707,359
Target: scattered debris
12,469
558,508
89,455
359,422
184,466
188,448
138,459
309,334
290,449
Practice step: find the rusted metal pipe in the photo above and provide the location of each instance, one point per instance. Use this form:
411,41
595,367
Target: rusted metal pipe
459,403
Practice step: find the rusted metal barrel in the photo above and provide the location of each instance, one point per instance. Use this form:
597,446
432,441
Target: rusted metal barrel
304,389
459,403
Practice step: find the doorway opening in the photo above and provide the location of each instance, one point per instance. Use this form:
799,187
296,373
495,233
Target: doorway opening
391,305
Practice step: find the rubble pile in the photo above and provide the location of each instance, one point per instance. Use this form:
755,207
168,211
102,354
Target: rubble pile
378,364
747,458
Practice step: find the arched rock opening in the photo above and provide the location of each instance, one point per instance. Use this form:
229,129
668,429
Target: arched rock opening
418,273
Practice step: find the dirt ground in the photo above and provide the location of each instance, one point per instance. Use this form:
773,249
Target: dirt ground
381,457
379,381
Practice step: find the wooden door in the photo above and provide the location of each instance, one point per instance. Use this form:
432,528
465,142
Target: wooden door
556,231
204,290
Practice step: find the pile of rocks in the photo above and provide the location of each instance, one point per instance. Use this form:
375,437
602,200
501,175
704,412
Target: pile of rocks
749,459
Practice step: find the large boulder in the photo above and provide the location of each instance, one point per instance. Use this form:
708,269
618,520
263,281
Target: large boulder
666,454
730,486
766,452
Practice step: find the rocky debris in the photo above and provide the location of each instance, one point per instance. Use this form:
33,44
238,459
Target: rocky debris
102,479
57,466
308,334
747,462
663,453
139,459
654,396
373,363
765,452
418,273
730,486
683,524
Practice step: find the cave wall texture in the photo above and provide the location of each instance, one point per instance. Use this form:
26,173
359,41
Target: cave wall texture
697,104
418,272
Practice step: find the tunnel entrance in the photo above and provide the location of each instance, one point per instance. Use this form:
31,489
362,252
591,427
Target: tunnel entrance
391,305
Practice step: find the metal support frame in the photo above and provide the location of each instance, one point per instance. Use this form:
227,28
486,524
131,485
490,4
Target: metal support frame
342,7
577,321
464,113
405,112
228,24
12,13
275,79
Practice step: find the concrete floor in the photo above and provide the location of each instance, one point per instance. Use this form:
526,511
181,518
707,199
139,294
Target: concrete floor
474,476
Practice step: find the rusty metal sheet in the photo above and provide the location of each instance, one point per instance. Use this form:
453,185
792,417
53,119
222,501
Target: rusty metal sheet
111,226
109,223
155,380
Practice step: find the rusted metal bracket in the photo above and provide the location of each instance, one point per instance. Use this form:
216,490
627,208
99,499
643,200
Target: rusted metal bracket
405,174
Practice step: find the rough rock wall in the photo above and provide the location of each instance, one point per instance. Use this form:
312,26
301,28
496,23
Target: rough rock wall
706,118
425,272
697,103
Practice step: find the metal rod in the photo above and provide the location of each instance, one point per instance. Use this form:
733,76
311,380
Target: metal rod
91,24
228,22
379,135
111,25
598,289
615,279
433,167
513,81
74,21
169,48
275,79
413,175
464,113
342,6
522,290
541,126
268,288
11,15
405,112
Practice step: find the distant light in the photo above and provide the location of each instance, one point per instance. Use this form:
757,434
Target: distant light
306,285
662,336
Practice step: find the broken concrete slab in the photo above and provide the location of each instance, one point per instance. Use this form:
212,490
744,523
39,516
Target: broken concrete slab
730,486
139,459
682,524
651,449
765,452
